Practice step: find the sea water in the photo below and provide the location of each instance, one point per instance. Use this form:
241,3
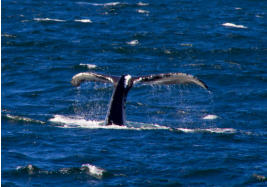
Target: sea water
53,134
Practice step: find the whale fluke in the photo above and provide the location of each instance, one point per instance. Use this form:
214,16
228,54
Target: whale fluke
116,111
170,78
88,76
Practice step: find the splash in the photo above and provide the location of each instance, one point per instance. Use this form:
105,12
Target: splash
79,122
92,170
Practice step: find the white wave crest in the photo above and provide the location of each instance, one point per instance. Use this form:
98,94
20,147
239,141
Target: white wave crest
93,170
25,119
83,20
133,42
8,35
209,130
142,4
234,25
89,66
100,4
142,11
48,19
210,117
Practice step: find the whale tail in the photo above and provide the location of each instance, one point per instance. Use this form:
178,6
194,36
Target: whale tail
116,111
93,77
164,78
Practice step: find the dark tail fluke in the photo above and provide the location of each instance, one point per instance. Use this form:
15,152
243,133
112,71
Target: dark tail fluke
170,78
93,77
116,111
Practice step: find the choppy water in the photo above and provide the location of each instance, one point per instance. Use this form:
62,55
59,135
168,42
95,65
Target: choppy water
53,133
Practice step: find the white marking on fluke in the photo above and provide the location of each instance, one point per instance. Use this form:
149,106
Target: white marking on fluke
127,79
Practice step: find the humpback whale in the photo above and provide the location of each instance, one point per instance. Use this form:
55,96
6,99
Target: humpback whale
122,85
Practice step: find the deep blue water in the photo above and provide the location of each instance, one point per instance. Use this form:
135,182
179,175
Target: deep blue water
53,134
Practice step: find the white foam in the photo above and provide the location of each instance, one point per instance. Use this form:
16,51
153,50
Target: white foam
238,8
259,16
208,130
101,4
133,42
210,117
93,170
89,66
142,11
234,25
25,119
142,4
8,35
75,122
83,20
48,19
79,122
186,44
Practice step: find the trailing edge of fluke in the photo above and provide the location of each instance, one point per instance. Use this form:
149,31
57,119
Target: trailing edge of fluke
122,85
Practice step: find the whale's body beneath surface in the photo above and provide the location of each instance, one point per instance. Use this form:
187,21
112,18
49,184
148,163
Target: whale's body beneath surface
122,85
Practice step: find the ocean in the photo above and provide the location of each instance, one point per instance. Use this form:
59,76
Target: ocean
53,134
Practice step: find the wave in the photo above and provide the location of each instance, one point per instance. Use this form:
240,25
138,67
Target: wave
83,20
142,4
79,122
210,117
93,170
89,66
23,119
88,169
209,130
133,42
100,4
141,11
234,25
60,20
8,35
110,3
48,19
